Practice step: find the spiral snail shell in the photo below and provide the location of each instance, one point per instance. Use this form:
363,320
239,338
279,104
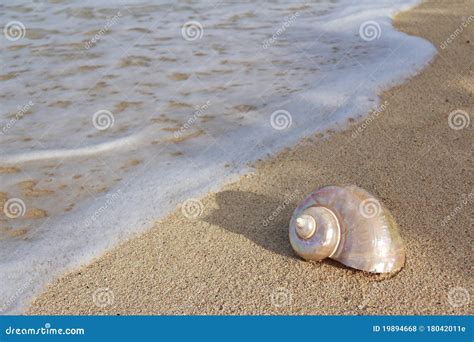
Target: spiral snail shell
347,224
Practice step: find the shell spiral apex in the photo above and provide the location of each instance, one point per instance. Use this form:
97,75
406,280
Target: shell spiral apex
347,224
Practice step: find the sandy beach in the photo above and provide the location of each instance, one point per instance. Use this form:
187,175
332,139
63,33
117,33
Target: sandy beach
235,257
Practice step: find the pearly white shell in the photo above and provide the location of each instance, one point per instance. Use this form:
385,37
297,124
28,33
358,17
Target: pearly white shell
347,224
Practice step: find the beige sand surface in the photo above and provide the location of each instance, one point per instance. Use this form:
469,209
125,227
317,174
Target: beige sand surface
228,261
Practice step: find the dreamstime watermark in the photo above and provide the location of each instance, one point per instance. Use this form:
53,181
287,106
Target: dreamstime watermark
286,24
192,208
374,115
46,330
14,208
192,30
20,113
14,30
287,201
19,291
281,297
456,32
200,110
370,30
98,36
103,297
281,119
111,199
459,119
466,199
458,296
370,207
369,295
103,119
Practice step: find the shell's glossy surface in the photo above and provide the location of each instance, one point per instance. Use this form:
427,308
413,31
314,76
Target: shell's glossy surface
363,234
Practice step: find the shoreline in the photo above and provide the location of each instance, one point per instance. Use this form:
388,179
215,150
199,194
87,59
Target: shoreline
227,261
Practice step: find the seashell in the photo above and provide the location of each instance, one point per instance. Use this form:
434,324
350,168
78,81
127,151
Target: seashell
347,224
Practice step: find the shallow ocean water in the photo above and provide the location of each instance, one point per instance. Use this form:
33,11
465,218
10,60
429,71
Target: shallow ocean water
112,116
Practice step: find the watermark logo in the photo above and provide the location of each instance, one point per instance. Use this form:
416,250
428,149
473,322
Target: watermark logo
21,112
458,296
103,119
47,329
374,115
192,30
458,119
459,30
281,297
281,119
288,200
288,22
200,110
370,207
370,30
369,295
14,30
98,36
466,199
14,208
109,202
19,291
103,297
192,208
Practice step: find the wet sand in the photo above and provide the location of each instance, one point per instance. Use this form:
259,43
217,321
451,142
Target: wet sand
232,259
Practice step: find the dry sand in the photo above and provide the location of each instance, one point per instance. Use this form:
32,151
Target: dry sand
228,262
